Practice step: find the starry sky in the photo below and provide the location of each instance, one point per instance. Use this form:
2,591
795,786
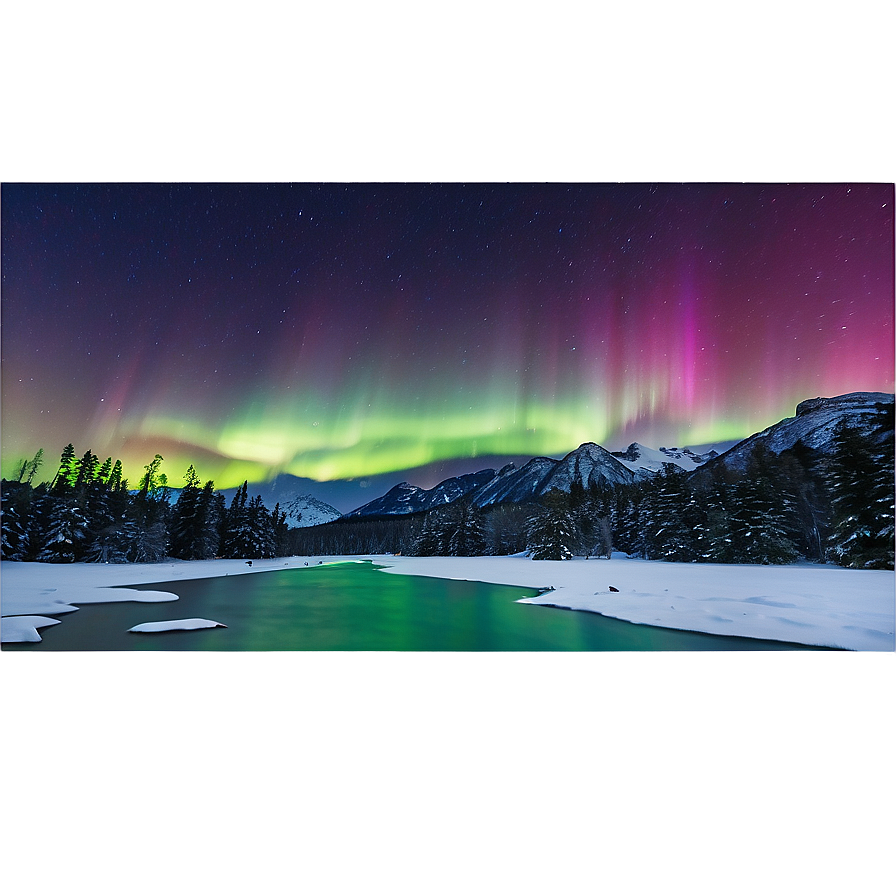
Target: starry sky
342,331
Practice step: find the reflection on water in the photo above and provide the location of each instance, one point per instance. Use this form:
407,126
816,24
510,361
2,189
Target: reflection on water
353,606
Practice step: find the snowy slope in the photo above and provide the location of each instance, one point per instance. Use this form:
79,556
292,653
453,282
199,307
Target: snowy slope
406,498
589,464
644,461
814,425
307,511
515,485
400,499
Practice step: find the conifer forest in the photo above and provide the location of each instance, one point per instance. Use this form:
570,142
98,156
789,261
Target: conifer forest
799,504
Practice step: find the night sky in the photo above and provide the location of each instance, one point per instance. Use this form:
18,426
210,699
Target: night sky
343,331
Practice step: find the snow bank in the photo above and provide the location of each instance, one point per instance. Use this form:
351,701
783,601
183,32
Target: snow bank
824,606
176,625
24,628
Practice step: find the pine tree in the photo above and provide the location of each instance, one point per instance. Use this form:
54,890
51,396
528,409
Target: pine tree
671,517
714,542
105,470
466,536
67,474
259,538
115,479
628,523
430,541
87,470
860,482
149,483
235,538
66,533
15,501
281,531
593,517
187,525
552,531
758,525
34,465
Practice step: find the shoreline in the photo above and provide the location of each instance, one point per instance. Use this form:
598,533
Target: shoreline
823,606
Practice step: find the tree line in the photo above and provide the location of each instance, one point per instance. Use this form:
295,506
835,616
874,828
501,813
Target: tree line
799,503
88,512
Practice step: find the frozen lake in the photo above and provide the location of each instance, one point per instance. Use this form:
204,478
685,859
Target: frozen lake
356,607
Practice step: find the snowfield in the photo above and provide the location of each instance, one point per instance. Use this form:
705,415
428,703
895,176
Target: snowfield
825,606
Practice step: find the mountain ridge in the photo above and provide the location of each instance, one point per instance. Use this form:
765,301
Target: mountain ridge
814,423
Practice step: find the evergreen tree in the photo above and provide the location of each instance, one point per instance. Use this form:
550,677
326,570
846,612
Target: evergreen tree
430,541
758,524
149,483
87,470
67,474
216,520
15,501
105,470
259,539
551,532
34,465
112,543
627,516
860,482
66,533
466,536
281,531
144,542
236,537
714,542
115,479
670,517
593,516
187,524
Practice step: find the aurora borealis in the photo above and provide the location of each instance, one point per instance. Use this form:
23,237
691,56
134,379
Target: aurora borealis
340,331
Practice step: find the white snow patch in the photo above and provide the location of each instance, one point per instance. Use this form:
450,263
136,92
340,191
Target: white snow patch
23,628
176,625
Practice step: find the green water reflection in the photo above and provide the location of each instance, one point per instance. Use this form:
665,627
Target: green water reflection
356,607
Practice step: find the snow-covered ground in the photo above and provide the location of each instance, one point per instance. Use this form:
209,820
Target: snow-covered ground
808,604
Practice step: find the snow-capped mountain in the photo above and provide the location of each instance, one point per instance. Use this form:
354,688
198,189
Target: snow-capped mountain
406,498
515,485
645,462
307,511
814,425
589,464
301,509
